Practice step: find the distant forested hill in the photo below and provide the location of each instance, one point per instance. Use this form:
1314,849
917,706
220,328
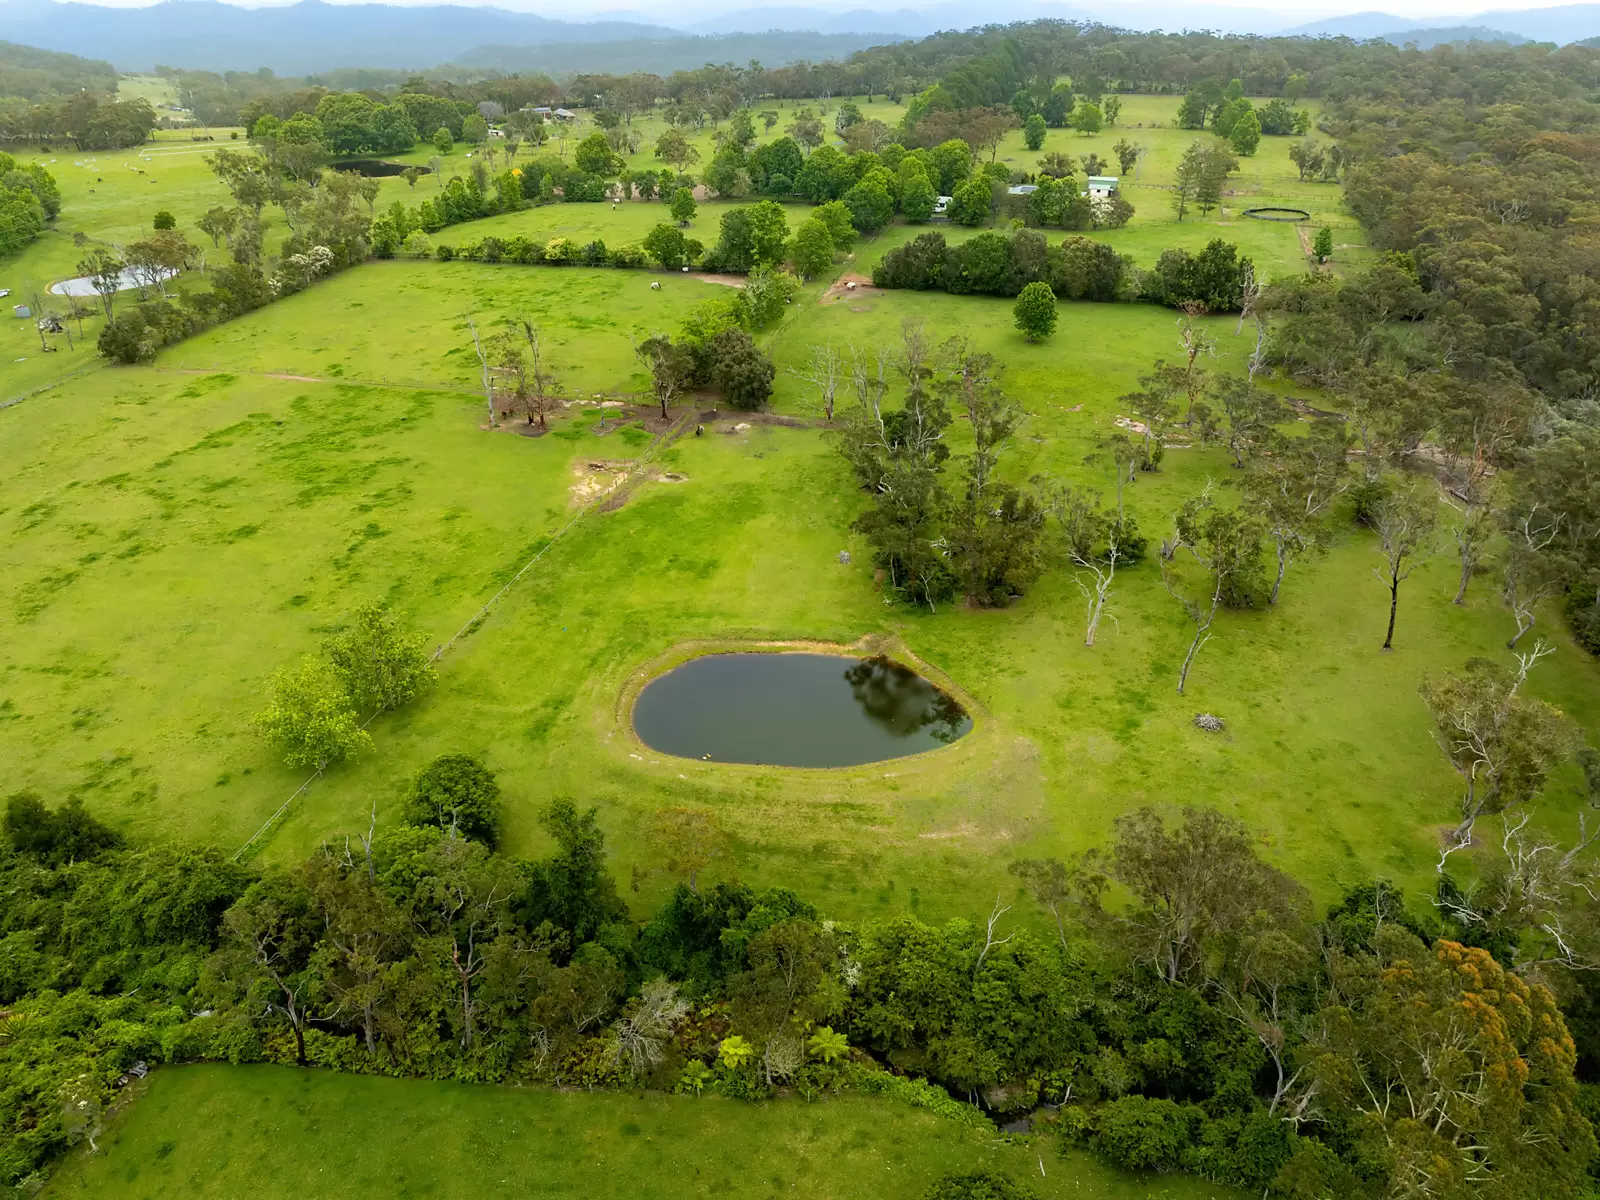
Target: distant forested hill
33,74
298,39
665,55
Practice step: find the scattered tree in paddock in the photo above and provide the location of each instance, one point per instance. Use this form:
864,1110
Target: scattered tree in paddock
1404,520
1499,741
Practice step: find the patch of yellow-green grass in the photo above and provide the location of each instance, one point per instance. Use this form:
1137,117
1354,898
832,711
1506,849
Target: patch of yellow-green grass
271,1132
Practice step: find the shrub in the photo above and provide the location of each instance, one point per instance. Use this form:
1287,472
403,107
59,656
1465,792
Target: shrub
1084,269
1035,312
980,265
980,1185
1583,613
811,250
138,332
68,834
871,207
1112,212
1214,277
311,719
629,254
916,196
741,370
445,253
667,245
841,226
456,791
682,206
765,295
1144,1134
165,220
918,265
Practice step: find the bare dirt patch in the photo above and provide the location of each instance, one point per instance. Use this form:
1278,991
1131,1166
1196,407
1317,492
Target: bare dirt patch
851,286
725,280
596,478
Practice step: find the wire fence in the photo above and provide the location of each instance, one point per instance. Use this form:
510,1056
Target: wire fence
54,383
665,437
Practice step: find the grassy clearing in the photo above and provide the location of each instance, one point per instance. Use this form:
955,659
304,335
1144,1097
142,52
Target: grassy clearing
267,1132
135,504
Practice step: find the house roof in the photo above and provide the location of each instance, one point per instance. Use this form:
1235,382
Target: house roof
1023,189
1103,180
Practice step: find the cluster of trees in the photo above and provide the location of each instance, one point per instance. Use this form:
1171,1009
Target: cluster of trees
1080,268
342,125
1229,114
90,120
715,346
1465,346
29,199
980,540
329,218
1212,1023
372,665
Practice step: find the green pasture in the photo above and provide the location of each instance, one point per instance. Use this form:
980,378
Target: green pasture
174,533
111,198
177,532
216,1131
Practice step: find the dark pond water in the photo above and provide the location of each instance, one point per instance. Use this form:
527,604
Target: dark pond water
369,166
795,710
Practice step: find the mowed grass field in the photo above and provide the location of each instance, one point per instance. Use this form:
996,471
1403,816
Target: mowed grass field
269,1132
177,532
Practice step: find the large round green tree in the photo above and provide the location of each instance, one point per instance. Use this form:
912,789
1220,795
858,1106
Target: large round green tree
1035,311
456,791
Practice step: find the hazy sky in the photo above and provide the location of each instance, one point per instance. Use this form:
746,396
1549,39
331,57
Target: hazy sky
1129,12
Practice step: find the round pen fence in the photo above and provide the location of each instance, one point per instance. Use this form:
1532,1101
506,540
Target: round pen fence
1272,213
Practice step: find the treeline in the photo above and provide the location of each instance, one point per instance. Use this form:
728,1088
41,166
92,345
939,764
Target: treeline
28,199
1213,1024
329,226
89,120
1080,268
1469,338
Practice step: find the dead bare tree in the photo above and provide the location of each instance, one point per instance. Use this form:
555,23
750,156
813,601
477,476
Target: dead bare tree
542,387
1197,344
639,1037
484,374
1085,527
1529,579
1251,308
1200,610
989,939
825,372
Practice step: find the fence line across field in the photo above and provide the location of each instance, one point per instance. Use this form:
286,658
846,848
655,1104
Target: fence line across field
666,436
